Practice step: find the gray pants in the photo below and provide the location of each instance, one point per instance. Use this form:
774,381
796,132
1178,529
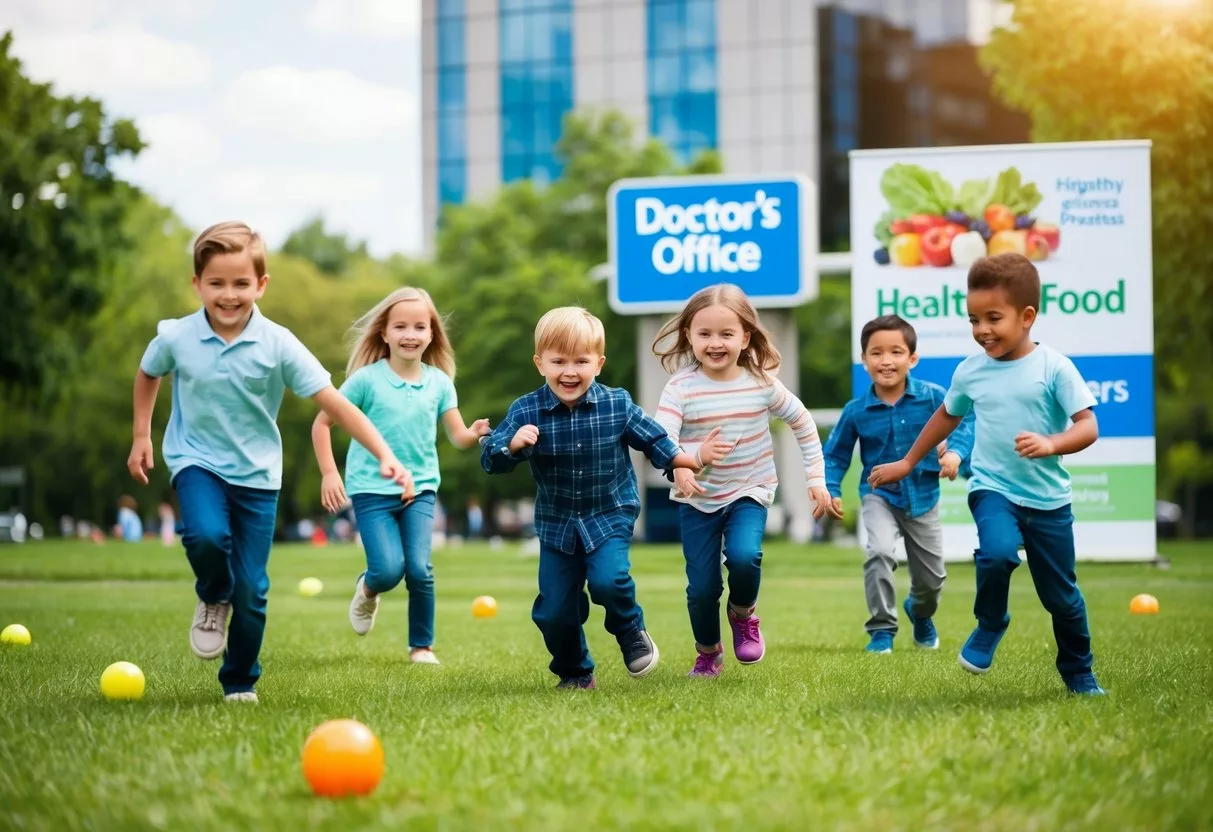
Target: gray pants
924,554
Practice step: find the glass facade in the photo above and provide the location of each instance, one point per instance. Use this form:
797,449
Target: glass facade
681,63
451,31
536,55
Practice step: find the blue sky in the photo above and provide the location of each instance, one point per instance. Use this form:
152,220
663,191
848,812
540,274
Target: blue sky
268,111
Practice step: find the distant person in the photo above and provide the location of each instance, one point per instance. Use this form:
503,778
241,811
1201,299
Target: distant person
168,523
230,367
475,519
129,527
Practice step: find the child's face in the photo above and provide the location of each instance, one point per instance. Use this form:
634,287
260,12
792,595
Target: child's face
999,327
408,331
888,359
228,287
569,376
717,338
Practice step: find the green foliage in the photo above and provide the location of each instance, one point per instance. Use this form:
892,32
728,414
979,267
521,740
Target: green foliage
61,211
1128,69
331,253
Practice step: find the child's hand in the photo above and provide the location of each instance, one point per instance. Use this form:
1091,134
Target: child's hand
332,493
949,465
140,460
391,468
526,436
1033,445
941,449
889,473
713,449
824,504
481,428
685,484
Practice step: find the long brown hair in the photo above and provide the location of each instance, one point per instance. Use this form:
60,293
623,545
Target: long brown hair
367,334
760,358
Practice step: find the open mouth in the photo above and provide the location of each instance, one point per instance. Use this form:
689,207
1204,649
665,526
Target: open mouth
716,355
569,386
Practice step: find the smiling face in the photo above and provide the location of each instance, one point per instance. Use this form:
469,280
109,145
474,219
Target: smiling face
717,339
569,375
888,360
228,287
408,331
999,327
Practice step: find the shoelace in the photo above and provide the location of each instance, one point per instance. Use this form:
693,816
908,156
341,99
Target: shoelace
210,617
705,662
749,627
984,640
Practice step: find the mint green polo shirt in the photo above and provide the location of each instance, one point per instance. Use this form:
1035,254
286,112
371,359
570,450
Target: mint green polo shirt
406,414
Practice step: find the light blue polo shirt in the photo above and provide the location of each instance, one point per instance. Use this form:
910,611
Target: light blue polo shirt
226,396
406,414
1037,393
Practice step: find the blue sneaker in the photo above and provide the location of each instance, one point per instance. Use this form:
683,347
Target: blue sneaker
924,629
1084,684
978,653
881,642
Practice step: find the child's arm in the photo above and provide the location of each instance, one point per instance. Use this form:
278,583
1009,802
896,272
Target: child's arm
141,458
332,489
510,443
1081,434
644,433
797,417
354,422
937,429
462,436
839,449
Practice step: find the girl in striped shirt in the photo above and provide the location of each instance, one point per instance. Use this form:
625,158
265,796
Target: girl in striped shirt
723,362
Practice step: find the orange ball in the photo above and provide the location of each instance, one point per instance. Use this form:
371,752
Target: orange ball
342,757
1143,605
484,607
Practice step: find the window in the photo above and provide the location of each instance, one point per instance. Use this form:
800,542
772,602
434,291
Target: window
681,70
452,102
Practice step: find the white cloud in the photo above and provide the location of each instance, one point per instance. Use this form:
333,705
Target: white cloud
79,15
381,19
324,105
177,139
113,60
299,188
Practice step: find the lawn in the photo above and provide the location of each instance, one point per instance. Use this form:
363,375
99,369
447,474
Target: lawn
818,736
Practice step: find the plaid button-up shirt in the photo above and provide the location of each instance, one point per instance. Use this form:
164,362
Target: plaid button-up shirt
885,433
586,486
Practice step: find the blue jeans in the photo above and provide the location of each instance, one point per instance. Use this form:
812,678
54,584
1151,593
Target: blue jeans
227,531
398,539
1047,538
740,526
561,609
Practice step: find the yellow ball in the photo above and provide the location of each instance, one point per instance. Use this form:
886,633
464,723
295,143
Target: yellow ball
122,680
484,607
310,587
15,634
1143,605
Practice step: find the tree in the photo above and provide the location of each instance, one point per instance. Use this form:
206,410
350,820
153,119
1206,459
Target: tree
1128,69
331,253
61,215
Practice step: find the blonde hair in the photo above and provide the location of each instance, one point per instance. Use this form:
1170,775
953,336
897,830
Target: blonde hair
760,358
229,238
367,334
569,330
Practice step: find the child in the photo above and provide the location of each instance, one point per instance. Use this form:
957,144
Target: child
129,527
400,375
1031,408
575,433
230,367
726,360
885,421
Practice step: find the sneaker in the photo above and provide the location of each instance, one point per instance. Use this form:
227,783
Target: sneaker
978,653
924,629
577,682
639,653
708,665
241,696
880,641
1084,684
208,633
423,655
748,644
363,609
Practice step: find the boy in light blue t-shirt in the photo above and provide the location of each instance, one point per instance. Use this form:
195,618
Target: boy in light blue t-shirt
1031,408
230,368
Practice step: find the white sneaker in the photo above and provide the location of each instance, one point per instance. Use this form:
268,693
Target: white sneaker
208,634
423,656
241,696
363,609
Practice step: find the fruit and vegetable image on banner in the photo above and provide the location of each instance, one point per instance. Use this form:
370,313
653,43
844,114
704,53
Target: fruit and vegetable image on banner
1081,212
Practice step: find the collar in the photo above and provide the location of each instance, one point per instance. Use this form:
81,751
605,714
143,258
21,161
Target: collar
549,401
252,330
396,381
914,390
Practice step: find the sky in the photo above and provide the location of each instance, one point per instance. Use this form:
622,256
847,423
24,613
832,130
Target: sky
270,111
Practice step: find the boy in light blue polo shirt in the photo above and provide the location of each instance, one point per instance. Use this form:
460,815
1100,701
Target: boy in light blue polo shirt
1031,408
230,369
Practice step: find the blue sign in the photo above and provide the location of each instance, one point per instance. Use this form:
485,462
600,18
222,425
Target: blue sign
669,237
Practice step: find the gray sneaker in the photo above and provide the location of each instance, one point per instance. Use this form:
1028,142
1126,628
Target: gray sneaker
208,634
363,609
639,653
241,696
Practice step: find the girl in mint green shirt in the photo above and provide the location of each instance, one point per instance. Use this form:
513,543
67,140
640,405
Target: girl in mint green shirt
400,374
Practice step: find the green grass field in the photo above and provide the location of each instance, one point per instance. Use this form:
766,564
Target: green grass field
819,735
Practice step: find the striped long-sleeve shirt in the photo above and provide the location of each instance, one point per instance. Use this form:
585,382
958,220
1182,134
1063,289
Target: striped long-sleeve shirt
693,404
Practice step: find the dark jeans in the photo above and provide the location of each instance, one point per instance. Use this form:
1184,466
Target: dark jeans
739,526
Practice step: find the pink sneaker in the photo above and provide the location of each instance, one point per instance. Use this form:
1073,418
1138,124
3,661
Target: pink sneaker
748,645
708,665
